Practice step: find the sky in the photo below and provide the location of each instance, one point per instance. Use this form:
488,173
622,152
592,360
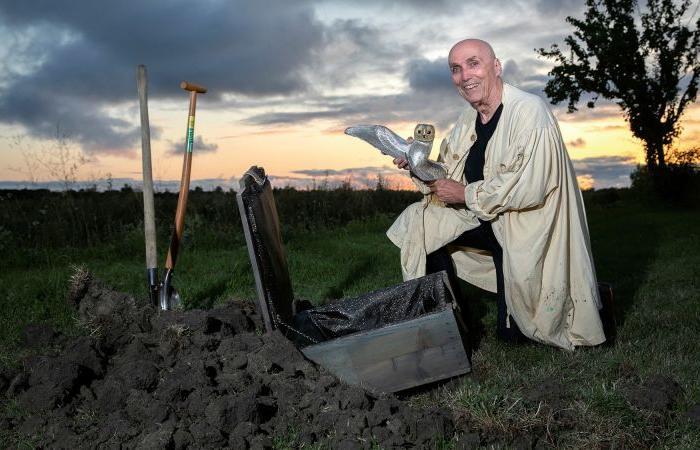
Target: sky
285,78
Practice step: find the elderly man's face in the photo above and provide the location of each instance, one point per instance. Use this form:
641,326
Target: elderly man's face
475,71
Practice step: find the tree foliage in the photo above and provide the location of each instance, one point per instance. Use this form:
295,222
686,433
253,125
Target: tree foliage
646,62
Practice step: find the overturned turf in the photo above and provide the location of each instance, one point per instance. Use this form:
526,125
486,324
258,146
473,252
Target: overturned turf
198,379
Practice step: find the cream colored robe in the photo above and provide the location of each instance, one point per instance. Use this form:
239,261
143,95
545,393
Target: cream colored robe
531,196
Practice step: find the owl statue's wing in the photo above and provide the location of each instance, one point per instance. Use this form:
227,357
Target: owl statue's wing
382,138
421,166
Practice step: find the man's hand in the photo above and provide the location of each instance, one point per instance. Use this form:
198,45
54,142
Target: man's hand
402,163
448,191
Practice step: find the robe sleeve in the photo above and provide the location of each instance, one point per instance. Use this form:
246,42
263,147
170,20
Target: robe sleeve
522,182
422,187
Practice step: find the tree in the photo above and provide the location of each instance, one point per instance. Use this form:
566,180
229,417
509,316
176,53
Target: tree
58,157
646,62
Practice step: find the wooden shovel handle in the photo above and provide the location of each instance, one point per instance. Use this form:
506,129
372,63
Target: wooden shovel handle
149,221
179,230
185,180
193,87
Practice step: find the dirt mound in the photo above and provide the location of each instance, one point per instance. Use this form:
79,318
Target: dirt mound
202,379
693,414
658,393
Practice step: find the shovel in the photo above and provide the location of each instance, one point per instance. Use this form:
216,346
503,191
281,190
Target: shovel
149,222
168,296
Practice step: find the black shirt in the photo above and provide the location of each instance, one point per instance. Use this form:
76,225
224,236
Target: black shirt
474,166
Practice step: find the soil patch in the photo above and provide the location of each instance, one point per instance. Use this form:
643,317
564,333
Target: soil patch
193,379
550,391
658,393
693,415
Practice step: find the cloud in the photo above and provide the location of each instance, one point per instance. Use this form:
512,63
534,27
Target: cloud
341,172
585,182
436,6
429,98
103,184
353,177
424,74
90,64
578,142
570,7
605,171
526,75
353,52
199,146
72,64
226,45
604,109
411,106
233,48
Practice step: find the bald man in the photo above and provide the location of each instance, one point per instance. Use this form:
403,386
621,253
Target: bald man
509,218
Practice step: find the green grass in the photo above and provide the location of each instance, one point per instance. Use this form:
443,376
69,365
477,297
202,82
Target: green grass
324,264
652,258
650,254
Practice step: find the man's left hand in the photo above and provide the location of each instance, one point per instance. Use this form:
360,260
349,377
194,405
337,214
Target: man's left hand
448,191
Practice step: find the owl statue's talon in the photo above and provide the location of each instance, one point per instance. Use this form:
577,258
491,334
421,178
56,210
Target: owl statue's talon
416,152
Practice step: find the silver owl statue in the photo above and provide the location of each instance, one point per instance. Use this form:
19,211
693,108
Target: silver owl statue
415,152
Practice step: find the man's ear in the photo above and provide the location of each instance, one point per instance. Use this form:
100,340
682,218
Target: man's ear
497,66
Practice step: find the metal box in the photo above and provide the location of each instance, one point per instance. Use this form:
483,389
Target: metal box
380,340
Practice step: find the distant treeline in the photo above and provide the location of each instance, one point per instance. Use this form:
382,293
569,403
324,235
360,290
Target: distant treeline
42,219
33,222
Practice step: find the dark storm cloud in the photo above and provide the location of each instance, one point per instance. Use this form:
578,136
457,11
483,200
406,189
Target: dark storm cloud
254,48
47,116
230,46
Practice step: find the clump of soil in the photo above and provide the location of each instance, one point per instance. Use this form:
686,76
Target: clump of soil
549,391
197,379
693,414
658,393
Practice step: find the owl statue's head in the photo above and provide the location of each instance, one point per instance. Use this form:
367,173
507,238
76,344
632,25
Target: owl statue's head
424,132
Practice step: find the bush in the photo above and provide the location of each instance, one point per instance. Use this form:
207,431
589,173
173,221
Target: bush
601,197
34,221
678,184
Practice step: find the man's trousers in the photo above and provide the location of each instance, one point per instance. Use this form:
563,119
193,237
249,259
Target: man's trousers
481,238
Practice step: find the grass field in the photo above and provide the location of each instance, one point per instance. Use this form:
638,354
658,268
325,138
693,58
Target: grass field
588,398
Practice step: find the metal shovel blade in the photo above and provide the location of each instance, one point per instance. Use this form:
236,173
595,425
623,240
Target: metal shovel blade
169,298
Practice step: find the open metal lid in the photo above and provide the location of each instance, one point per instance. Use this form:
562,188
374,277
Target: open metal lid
268,259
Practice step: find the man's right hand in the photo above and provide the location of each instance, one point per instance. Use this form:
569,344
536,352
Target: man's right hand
402,163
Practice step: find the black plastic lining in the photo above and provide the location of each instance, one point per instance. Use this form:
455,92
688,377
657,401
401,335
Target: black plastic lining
373,310
370,311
